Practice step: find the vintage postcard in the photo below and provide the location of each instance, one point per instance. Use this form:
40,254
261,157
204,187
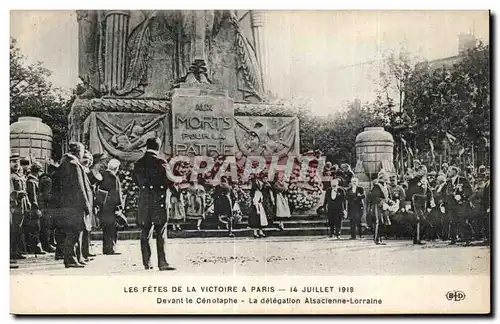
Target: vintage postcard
250,162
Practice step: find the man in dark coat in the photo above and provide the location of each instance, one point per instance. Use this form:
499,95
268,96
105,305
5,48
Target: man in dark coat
45,202
355,206
458,191
335,207
398,196
87,162
32,223
75,204
151,176
380,204
113,204
422,199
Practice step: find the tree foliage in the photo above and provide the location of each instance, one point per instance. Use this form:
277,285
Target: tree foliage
416,103
335,135
32,94
453,99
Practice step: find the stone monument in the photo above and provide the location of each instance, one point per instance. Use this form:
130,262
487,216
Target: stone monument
374,152
194,78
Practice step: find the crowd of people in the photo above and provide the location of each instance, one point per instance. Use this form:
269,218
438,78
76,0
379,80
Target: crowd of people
448,204
55,208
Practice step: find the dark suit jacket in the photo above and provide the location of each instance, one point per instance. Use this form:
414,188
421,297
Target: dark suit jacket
451,189
151,177
113,202
32,191
355,201
336,206
75,195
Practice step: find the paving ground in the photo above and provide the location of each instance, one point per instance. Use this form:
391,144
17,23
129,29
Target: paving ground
315,255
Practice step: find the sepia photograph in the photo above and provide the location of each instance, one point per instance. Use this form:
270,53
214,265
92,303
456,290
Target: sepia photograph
250,161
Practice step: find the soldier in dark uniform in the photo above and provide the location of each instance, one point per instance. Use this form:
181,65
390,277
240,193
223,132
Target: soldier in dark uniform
458,192
19,207
32,220
421,200
398,195
26,169
380,203
45,202
151,176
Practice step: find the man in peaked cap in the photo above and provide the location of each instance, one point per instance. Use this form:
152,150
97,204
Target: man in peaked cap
46,202
32,222
380,201
151,175
26,165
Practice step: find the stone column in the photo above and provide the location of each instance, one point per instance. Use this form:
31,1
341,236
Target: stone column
116,44
258,23
199,36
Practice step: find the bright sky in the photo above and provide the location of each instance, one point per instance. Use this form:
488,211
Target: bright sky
311,54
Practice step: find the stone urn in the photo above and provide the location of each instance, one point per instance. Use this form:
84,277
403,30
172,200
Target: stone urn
374,152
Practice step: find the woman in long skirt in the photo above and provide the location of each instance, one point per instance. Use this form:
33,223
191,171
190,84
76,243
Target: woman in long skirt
196,203
257,218
282,205
177,214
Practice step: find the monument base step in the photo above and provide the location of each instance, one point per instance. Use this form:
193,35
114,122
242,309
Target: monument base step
135,234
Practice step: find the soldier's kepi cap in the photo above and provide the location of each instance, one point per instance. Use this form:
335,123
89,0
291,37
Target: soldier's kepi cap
382,174
25,161
36,167
15,156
